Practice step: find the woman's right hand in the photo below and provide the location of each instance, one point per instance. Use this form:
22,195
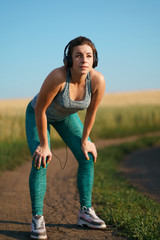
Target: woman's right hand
89,147
42,155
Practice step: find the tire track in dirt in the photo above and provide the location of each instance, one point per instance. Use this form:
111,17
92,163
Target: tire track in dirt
61,203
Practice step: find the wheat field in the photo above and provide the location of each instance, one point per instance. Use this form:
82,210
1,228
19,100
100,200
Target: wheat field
151,97
13,106
120,114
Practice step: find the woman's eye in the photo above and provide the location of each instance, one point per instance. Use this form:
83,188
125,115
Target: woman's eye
79,56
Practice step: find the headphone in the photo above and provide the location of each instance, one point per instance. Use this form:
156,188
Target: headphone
67,59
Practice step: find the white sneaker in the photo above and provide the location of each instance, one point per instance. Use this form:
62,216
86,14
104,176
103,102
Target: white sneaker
38,229
89,218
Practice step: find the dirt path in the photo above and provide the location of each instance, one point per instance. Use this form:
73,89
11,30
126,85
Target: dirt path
61,202
142,169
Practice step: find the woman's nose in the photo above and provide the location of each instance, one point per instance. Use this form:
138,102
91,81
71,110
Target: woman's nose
84,58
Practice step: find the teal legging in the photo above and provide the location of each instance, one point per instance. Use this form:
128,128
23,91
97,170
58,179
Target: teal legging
70,129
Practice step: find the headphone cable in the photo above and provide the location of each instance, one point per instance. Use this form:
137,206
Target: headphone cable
62,167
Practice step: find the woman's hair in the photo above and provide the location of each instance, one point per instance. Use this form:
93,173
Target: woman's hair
74,43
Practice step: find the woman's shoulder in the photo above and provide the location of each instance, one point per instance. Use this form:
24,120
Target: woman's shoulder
96,76
58,75
55,80
97,79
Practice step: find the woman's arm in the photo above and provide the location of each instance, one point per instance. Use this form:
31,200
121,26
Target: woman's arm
98,89
51,86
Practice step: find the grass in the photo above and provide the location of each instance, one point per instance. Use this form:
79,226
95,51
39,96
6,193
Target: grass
111,122
151,97
118,203
13,154
119,115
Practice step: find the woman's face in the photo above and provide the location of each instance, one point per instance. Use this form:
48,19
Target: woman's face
82,58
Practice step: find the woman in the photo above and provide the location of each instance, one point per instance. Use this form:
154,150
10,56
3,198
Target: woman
66,90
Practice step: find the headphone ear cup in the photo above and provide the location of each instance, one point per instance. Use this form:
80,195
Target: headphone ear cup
95,61
67,61
70,63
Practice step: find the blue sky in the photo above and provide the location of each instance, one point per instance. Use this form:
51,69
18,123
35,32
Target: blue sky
34,33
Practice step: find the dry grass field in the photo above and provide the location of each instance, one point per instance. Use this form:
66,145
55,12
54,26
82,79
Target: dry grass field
151,97
13,106
120,114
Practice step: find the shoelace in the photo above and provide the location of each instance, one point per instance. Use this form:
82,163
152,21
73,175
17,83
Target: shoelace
39,223
91,210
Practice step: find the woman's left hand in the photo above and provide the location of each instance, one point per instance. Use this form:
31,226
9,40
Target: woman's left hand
89,147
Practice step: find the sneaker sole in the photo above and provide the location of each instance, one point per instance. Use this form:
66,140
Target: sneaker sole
38,237
83,223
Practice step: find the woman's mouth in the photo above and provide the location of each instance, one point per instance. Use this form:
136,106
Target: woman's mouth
83,67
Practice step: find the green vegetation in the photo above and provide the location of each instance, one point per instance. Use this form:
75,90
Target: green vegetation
12,154
118,203
111,122
15,153
114,122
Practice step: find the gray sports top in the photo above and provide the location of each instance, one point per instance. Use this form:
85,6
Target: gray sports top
62,105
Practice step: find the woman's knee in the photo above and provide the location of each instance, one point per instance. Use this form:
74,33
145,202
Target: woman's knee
85,162
39,172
